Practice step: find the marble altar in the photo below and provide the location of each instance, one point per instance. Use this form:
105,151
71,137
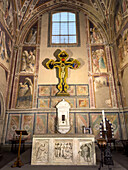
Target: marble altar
63,149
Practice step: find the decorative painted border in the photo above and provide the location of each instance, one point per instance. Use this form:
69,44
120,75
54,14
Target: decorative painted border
49,119
47,98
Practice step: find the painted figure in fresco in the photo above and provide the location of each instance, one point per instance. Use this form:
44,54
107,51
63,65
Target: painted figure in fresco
121,50
118,20
8,14
95,62
85,152
99,61
28,61
31,38
125,43
3,48
95,36
25,93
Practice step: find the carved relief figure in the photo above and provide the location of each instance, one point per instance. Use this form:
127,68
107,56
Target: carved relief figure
28,61
63,150
99,61
25,93
41,151
86,152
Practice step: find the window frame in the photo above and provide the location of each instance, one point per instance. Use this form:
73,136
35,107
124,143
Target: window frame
50,29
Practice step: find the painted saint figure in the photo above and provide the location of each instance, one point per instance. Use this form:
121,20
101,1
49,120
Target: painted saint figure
28,61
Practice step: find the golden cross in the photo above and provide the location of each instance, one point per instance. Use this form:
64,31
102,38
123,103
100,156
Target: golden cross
63,66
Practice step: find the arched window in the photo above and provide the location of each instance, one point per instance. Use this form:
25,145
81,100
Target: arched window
63,28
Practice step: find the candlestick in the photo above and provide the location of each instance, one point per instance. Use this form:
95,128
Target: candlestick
104,120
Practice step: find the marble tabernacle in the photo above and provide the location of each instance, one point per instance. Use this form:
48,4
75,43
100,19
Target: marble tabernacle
63,149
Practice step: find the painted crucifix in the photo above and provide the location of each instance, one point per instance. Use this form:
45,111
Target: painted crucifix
63,66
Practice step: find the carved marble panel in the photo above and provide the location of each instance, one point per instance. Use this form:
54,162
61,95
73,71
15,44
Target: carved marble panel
69,149
40,151
63,151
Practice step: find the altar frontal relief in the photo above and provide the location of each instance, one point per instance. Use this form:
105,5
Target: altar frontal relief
63,150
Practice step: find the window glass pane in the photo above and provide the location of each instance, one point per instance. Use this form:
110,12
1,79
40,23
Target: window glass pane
72,39
55,28
64,39
72,17
64,28
64,16
56,17
55,39
72,28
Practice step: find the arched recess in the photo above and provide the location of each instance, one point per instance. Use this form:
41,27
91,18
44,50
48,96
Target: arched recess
92,14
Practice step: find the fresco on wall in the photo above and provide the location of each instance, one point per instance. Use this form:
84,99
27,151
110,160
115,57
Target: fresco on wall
71,120
51,123
31,36
14,124
95,120
101,88
54,90
71,90
7,12
99,60
83,103
122,44
118,19
43,103
44,91
27,124
81,120
55,101
25,91
41,124
28,61
113,118
120,50
5,47
125,8
95,36
82,90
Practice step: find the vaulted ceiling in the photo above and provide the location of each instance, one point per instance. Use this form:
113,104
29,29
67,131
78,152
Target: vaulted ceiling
100,12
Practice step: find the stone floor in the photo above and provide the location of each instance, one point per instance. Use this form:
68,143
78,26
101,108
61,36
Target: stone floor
8,158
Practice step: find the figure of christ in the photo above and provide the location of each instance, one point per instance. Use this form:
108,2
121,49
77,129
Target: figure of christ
63,66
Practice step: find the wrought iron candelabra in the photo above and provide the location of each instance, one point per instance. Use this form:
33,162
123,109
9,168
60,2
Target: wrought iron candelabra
106,156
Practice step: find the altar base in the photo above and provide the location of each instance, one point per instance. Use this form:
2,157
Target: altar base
63,150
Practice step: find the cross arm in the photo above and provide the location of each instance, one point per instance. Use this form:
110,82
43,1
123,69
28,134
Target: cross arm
52,64
74,64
